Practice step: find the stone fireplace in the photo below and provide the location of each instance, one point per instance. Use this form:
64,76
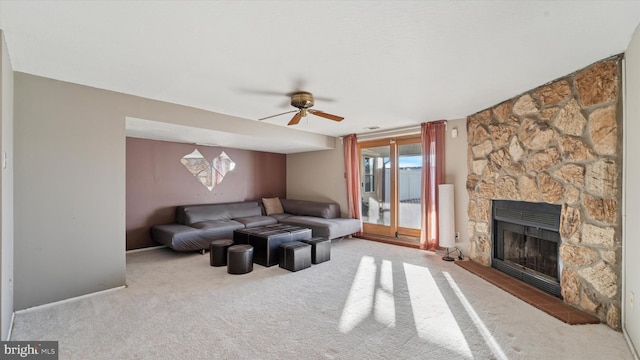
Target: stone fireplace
558,144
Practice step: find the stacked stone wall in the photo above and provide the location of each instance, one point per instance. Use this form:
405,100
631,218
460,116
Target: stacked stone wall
560,144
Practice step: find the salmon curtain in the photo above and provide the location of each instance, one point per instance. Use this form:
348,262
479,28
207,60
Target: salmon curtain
432,175
352,174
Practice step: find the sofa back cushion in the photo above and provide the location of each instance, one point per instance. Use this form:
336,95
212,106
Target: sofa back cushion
191,214
311,208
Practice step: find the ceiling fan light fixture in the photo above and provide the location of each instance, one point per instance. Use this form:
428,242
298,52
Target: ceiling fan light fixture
302,100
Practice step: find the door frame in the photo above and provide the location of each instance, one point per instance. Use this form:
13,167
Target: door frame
391,230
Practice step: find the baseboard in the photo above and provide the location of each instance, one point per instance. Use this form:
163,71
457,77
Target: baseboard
145,249
630,345
56,303
13,316
389,240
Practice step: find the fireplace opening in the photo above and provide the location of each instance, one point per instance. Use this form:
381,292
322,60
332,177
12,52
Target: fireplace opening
526,242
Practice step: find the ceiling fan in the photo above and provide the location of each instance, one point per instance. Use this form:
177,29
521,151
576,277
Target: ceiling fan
303,101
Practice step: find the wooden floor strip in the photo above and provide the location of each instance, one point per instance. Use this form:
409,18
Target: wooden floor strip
527,293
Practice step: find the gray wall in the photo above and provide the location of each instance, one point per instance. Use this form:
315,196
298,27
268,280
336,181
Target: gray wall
318,176
631,213
69,191
6,193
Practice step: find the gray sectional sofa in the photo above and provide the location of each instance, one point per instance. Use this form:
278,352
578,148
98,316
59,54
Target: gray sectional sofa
197,225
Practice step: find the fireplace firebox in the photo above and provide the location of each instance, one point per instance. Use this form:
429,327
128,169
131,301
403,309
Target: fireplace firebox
526,243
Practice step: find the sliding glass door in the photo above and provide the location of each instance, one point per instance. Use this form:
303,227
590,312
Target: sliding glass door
391,173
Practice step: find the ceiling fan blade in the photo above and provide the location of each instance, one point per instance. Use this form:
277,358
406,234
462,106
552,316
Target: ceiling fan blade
325,115
296,119
324,99
261,92
272,116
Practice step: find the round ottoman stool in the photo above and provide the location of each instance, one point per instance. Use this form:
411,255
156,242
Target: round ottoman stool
240,259
218,252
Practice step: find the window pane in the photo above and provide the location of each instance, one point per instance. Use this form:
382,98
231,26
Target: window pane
375,185
409,185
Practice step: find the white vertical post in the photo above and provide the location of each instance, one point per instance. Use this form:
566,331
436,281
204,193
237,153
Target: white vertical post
446,216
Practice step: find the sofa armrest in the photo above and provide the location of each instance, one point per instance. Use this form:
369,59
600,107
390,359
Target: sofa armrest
164,233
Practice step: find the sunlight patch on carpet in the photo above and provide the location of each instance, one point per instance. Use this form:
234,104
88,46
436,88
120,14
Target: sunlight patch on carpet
359,302
486,334
433,318
367,299
385,307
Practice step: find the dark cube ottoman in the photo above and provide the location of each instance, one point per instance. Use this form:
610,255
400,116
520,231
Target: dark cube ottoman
320,249
266,241
295,255
218,252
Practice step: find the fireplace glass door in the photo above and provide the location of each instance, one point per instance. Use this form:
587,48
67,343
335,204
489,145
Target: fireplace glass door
522,247
528,253
526,242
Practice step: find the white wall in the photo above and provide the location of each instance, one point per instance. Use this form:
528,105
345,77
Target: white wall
631,213
456,174
6,193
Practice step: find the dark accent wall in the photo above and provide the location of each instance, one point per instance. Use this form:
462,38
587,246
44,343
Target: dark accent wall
157,182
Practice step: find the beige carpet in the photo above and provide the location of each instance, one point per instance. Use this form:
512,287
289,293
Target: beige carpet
371,301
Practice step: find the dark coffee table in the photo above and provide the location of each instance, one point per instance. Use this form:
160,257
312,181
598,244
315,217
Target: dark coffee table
266,240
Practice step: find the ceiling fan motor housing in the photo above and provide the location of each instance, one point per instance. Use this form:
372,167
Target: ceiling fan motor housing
302,100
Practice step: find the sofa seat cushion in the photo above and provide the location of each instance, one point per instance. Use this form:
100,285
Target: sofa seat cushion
279,217
325,228
253,221
218,227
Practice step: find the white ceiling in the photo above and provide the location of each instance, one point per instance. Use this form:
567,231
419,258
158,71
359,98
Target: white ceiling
382,63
